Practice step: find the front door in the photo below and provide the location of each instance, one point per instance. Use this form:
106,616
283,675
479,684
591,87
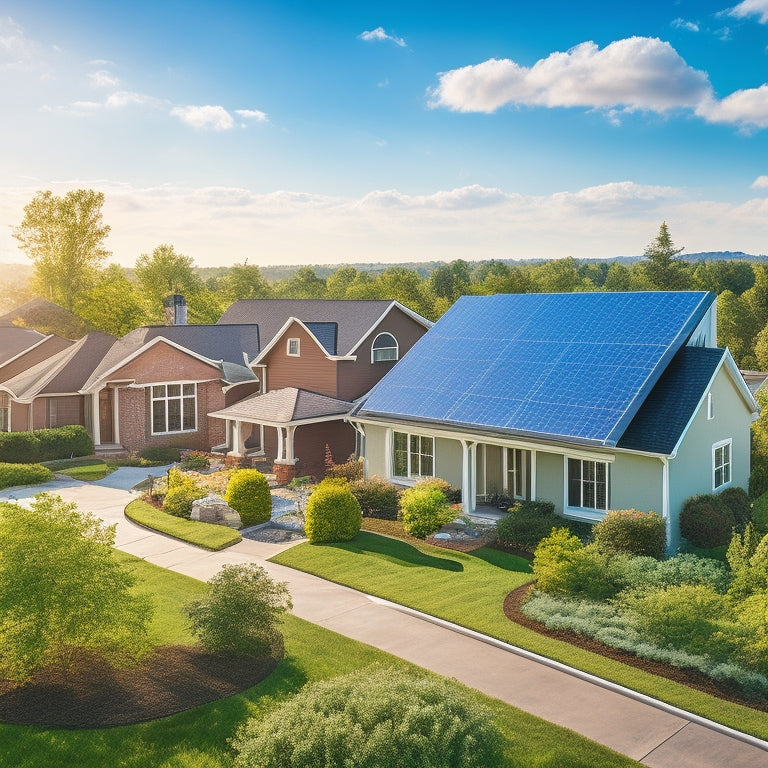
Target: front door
105,415
518,473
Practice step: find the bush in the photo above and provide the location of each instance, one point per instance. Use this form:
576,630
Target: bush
760,513
64,442
758,476
248,494
23,474
737,500
333,513
706,521
161,454
178,500
633,532
19,447
195,461
371,719
351,471
684,568
527,523
241,612
377,498
453,495
424,509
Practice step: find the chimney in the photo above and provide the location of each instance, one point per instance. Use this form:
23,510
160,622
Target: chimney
175,310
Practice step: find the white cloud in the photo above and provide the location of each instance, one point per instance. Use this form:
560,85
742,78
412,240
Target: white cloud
638,73
206,117
253,114
103,79
761,182
688,26
751,8
17,51
746,108
380,34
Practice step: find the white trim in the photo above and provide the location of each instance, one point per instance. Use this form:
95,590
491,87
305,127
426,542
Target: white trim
585,513
396,348
665,498
181,396
34,346
257,360
268,423
410,477
288,344
413,315
729,464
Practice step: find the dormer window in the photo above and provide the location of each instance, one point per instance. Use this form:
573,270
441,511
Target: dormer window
384,349
294,347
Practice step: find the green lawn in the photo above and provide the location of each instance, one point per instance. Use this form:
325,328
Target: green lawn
206,535
198,738
469,589
82,469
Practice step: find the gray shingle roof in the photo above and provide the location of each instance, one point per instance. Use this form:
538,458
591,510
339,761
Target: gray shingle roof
282,406
14,340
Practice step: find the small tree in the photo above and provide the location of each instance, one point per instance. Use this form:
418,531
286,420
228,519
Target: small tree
62,589
249,495
333,513
241,612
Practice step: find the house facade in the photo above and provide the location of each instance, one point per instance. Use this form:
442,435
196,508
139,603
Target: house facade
591,401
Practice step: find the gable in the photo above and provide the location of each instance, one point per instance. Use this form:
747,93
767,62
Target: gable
164,362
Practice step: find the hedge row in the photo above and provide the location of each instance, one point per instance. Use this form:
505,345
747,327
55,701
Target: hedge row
23,474
45,445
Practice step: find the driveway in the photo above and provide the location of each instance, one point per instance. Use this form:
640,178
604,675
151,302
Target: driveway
653,733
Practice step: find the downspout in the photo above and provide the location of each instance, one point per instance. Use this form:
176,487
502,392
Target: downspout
665,498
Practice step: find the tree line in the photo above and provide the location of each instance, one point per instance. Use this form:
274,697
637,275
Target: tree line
65,239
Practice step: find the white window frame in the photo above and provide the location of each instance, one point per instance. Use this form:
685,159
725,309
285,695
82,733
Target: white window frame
581,508
166,398
374,350
411,455
5,405
517,476
297,352
725,466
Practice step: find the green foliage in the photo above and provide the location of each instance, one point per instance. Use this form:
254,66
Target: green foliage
377,498
632,532
113,305
706,521
424,509
195,461
182,491
164,273
160,454
351,470
737,500
379,718
241,612
71,594
45,444
760,513
248,494
527,523
23,474
660,271
333,513
684,568
244,281
21,447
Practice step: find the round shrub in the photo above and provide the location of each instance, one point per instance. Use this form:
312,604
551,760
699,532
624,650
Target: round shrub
248,494
706,521
377,498
178,500
64,442
23,474
633,532
195,461
527,523
19,447
737,500
424,510
381,718
453,495
351,470
333,513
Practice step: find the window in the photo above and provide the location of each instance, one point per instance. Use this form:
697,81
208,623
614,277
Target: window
174,408
721,464
413,455
294,347
384,348
587,484
518,472
5,413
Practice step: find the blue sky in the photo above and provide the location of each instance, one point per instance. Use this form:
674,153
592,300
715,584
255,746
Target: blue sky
391,131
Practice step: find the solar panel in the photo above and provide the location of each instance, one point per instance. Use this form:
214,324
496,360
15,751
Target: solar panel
561,365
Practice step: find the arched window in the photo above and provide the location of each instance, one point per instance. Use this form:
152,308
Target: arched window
384,349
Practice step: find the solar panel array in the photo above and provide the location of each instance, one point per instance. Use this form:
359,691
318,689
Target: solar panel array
570,365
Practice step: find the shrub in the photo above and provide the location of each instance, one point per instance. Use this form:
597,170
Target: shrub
351,471
760,513
379,717
195,461
178,500
758,476
241,612
248,494
23,474
737,500
377,498
706,521
161,454
64,442
684,568
333,513
19,447
633,532
527,523
453,495
424,510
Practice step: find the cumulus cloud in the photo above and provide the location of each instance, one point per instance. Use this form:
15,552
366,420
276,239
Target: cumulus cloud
380,34
746,108
761,182
252,114
751,8
688,26
207,117
102,78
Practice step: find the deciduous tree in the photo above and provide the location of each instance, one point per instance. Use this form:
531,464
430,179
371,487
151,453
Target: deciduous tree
166,272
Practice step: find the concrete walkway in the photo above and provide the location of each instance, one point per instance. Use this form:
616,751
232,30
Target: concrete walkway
653,736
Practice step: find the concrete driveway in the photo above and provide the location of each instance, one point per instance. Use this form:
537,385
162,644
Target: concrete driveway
655,734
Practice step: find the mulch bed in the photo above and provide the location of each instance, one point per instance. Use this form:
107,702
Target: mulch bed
458,545
93,694
690,677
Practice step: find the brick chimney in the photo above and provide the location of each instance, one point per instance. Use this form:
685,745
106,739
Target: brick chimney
175,310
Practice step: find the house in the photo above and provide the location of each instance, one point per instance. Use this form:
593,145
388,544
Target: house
593,401
318,356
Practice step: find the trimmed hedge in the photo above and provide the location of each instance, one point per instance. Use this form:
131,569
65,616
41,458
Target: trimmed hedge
23,474
45,445
333,513
632,532
249,495
377,498
737,500
706,521
528,522
161,454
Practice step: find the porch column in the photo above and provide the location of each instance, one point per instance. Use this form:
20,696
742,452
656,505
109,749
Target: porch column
115,416
468,476
279,456
228,444
240,443
289,432
236,439
96,417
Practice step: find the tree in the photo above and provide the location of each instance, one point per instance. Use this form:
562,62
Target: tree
339,281
166,272
244,281
661,271
64,237
734,325
113,304
304,284
557,276
62,589
241,611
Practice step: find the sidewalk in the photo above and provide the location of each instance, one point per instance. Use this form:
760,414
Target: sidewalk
656,738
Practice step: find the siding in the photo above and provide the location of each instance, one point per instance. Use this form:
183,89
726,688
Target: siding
163,362
550,479
636,483
309,446
375,450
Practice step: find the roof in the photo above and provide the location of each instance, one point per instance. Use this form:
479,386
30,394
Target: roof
354,319
64,372
663,417
754,380
14,341
219,344
282,406
574,367
48,317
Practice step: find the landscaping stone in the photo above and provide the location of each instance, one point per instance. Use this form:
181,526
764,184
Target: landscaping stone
442,536
213,509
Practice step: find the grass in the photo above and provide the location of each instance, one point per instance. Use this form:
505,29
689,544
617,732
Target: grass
198,738
205,535
82,469
469,589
